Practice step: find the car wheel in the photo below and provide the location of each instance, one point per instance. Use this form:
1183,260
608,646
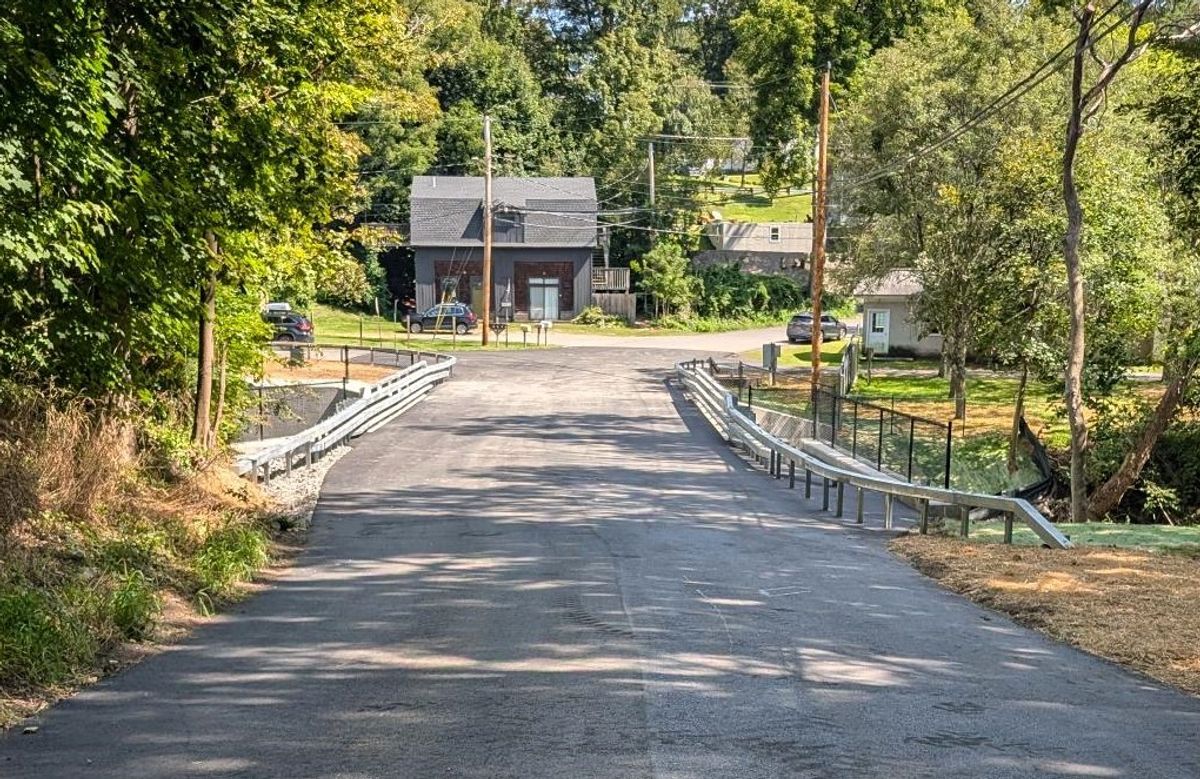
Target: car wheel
288,337
792,340
414,327
841,334
460,328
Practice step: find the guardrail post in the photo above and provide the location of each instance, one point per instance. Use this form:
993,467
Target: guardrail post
924,516
841,496
267,473
824,493
791,474
1008,527
858,515
308,458
889,501
964,528
807,483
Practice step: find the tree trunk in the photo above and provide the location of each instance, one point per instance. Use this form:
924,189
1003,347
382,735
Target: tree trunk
1109,494
958,377
201,423
1075,350
216,425
1014,436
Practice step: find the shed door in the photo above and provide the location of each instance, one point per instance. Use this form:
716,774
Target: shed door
879,328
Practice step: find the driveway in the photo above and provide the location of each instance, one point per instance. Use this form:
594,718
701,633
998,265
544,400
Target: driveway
553,568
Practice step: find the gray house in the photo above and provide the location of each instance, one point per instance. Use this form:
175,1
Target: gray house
543,239
760,247
889,325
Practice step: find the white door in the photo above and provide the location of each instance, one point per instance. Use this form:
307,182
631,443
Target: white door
543,298
879,323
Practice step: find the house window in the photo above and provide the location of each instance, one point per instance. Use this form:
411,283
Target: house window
508,227
774,235
878,321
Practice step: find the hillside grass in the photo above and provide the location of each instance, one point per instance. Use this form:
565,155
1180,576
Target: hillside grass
108,544
728,196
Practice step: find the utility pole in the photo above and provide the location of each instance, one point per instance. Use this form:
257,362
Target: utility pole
487,228
651,150
819,217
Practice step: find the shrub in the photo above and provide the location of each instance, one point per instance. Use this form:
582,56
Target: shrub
594,316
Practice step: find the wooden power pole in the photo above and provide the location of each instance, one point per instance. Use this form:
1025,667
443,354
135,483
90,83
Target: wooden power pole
486,303
819,217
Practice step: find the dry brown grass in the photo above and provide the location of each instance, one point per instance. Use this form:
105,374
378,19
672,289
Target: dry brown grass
316,371
64,458
1137,608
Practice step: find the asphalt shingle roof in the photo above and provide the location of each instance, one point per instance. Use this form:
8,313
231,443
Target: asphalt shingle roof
447,210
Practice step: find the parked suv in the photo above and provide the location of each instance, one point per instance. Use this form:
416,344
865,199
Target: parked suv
800,328
443,317
289,325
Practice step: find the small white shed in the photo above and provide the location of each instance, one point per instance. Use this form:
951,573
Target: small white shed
889,324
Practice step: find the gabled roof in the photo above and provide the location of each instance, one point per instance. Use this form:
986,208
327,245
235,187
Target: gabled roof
448,210
899,283
511,191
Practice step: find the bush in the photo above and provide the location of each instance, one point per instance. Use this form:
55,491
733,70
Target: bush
594,316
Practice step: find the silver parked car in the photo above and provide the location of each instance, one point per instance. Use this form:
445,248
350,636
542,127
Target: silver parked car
799,329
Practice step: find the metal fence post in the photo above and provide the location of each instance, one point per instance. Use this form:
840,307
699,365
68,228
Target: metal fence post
841,496
949,444
879,450
791,474
824,493
912,428
854,441
807,483
834,414
858,517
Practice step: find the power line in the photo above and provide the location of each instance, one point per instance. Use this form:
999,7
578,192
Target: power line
1010,96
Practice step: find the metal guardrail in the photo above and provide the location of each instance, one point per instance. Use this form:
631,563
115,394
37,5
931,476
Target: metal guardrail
378,404
719,408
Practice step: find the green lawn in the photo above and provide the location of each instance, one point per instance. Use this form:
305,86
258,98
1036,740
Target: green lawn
337,326
793,356
727,195
1153,537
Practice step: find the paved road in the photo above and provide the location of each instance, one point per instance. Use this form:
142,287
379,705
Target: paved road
552,569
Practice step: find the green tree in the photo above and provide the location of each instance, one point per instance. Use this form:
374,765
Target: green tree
665,275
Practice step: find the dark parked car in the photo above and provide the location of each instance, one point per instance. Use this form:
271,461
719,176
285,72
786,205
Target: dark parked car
443,318
800,328
289,325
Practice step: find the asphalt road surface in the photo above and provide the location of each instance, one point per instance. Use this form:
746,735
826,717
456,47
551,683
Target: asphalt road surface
551,568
